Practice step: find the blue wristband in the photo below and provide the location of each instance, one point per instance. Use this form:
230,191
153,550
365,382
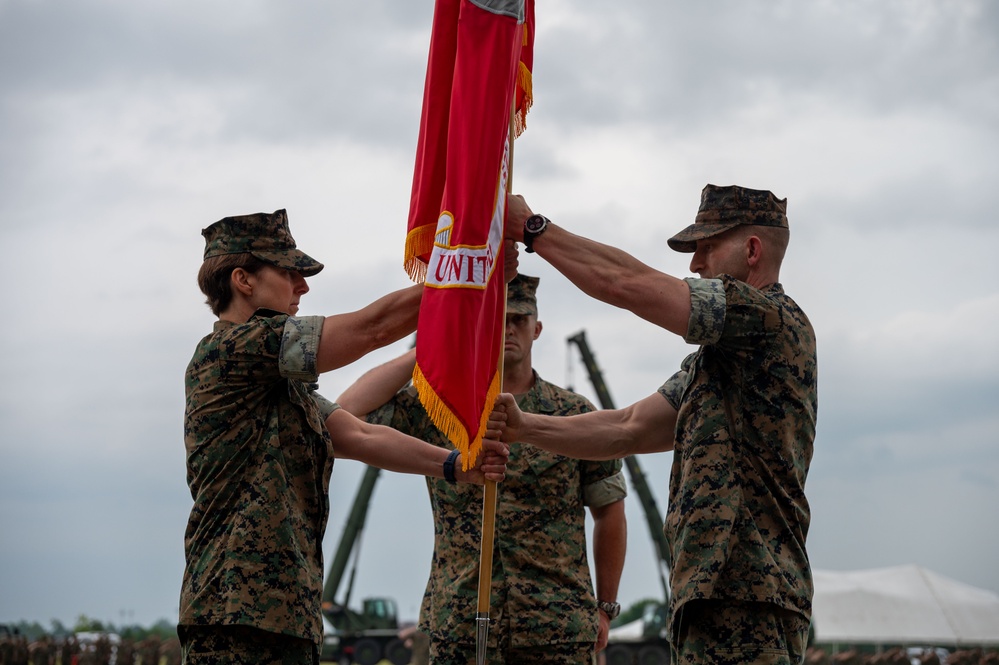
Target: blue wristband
449,466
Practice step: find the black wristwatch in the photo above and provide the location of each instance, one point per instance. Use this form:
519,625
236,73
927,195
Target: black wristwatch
610,609
534,226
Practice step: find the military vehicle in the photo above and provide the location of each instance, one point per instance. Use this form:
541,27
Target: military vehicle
371,634
644,642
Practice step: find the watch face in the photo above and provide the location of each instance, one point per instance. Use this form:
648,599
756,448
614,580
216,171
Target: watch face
535,223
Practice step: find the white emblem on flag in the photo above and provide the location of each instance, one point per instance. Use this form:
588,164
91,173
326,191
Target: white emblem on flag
468,266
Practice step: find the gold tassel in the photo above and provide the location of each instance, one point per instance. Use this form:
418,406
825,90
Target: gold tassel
444,420
524,82
419,241
491,395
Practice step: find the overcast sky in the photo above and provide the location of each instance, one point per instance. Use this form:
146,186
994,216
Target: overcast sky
126,127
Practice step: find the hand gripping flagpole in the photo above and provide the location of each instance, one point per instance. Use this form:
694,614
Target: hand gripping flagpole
489,493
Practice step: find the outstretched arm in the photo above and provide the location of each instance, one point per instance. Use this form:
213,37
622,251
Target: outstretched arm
347,337
607,273
378,385
647,426
391,450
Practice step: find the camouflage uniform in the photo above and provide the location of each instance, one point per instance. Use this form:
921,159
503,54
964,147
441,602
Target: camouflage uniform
259,460
746,403
541,588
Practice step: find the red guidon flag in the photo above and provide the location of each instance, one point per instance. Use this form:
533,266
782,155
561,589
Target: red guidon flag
454,241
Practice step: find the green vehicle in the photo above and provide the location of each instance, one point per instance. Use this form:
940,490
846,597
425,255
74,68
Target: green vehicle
371,634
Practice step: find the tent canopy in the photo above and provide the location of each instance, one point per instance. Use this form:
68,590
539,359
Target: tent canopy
902,605
629,632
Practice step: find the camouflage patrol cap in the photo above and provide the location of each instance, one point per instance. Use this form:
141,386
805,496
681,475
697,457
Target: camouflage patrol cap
265,236
724,208
520,295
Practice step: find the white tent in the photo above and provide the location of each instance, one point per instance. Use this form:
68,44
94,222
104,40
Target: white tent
902,605
629,632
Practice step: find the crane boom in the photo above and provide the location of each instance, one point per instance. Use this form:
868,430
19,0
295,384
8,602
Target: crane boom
653,517
349,539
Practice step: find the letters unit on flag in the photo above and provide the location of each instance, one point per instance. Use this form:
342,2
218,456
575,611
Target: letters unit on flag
454,238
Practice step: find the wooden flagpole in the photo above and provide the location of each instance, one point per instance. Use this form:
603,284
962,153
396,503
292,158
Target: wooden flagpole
489,490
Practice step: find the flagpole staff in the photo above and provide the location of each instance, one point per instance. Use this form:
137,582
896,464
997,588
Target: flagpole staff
489,490
485,571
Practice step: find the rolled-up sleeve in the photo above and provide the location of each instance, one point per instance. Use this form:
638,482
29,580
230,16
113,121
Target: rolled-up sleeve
673,389
605,491
707,311
326,407
300,348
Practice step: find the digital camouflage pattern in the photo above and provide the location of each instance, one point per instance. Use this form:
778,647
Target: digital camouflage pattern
746,402
541,588
265,236
259,460
724,208
736,633
244,645
521,295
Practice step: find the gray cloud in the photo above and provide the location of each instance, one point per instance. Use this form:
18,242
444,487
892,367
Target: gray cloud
127,127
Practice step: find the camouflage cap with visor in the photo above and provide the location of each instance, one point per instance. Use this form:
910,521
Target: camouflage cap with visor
520,295
265,236
724,208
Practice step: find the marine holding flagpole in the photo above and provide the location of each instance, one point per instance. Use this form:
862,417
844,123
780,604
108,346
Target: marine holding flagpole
739,416
261,442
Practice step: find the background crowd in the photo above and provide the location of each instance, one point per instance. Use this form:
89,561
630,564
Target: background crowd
88,649
903,656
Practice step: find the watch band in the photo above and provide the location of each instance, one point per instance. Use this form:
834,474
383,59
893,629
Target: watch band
534,226
449,466
610,609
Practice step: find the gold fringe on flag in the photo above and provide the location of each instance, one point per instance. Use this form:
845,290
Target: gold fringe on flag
419,242
525,83
448,424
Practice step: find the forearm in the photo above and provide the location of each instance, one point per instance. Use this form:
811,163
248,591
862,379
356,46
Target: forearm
610,542
617,278
383,447
392,450
644,427
393,316
378,386
594,267
347,337
598,435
